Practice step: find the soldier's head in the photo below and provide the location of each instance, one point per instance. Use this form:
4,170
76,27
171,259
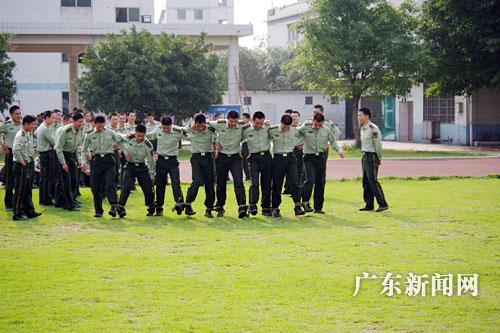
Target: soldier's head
78,120
29,123
67,119
140,132
150,118
364,115
289,111
122,118
88,116
49,117
218,116
318,120
258,119
286,122
200,122
166,123
131,117
245,117
15,113
296,117
59,115
99,123
318,108
113,119
232,118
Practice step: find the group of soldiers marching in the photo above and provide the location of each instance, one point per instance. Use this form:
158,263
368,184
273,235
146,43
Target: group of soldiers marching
115,153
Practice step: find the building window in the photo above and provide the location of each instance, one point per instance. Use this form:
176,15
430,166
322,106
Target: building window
64,57
124,15
222,2
133,15
181,14
247,100
440,109
83,3
198,14
223,22
76,3
65,102
309,100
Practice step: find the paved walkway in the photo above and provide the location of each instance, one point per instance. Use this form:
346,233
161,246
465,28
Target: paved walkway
397,145
349,168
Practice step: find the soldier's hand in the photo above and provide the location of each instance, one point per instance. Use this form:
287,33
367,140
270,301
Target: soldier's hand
218,147
301,147
5,149
65,167
23,163
83,168
341,153
116,146
267,122
128,157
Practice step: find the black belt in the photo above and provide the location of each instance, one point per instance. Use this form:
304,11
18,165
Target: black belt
262,153
368,152
136,164
103,155
316,154
229,155
202,154
162,157
46,152
284,154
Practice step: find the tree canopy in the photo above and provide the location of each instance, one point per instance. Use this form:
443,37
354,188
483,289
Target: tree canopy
7,82
139,72
356,47
462,38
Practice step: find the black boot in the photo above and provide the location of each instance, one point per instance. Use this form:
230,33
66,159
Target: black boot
267,212
121,211
220,211
242,211
112,211
208,213
159,211
178,208
298,209
276,213
151,211
307,207
188,210
253,210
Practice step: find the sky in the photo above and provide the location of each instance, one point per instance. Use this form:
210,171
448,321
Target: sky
248,11
255,12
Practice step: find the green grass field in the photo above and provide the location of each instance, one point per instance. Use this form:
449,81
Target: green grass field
70,272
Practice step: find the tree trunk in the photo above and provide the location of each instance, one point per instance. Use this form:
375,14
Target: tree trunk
355,124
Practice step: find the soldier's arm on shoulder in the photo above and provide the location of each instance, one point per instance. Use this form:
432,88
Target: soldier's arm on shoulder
61,140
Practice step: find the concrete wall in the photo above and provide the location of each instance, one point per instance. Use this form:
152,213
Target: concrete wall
274,103
486,115
213,12
52,11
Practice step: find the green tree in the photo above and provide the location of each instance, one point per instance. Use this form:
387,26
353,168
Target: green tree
356,47
263,69
136,71
7,82
463,40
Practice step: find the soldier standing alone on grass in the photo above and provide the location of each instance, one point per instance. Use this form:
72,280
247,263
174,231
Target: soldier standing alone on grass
371,145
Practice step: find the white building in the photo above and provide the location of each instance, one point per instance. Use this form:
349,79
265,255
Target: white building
49,36
281,21
274,104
